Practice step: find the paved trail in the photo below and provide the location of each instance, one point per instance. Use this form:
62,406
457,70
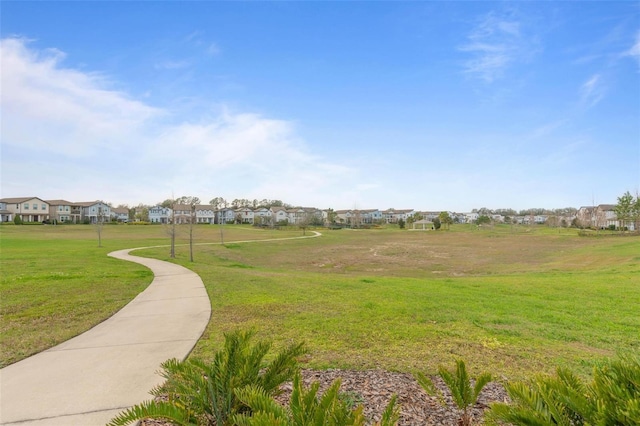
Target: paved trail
89,379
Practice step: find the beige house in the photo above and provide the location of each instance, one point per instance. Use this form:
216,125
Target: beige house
60,210
5,215
29,209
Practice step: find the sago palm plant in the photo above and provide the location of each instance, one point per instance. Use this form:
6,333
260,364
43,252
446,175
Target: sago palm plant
611,398
204,394
463,393
306,408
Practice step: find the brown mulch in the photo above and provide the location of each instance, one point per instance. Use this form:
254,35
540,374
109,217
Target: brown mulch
374,388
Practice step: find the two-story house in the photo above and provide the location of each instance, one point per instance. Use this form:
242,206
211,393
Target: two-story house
393,215
94,211
244,215
29,209
225,215
120,214
60,211
279,215
159,214
205,213
5,215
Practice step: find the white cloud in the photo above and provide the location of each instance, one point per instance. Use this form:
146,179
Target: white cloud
172,65
213,49
592,91
48,107
495,44
68,127
634,51
547,129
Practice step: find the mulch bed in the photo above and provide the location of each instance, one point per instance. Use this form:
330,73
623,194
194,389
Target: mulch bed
374,388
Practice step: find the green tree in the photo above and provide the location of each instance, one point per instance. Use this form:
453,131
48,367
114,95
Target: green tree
445,219
331,216
205,394
464,395
436,223
625,209
401,223
483,219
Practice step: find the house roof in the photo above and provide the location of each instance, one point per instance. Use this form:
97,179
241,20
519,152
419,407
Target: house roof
87,203
397,211
425,221
58,202
18,200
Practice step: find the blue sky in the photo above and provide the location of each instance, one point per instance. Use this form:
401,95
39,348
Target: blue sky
425,105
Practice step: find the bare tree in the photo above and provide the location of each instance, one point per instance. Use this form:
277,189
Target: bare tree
171,226
636,212
100,223
192,202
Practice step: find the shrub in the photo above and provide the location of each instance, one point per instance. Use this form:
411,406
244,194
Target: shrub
17,220
459,384
306,408
612,398
205,394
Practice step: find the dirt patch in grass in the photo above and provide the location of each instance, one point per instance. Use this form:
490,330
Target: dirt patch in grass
425,253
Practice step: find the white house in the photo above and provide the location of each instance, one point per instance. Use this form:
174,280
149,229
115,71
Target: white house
262,216
205,213
393,215
279,215
94,211
159,214
244,215
471,217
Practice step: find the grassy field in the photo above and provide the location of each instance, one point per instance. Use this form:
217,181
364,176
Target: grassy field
56,282
510,301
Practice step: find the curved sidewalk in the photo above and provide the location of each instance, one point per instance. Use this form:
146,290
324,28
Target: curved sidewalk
89,379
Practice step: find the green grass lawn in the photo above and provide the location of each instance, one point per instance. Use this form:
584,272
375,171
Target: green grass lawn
512,301
56,282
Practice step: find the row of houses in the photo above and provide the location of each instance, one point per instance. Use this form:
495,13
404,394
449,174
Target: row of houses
602,216
34,209
204,213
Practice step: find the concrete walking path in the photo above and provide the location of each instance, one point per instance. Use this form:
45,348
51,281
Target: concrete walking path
89,379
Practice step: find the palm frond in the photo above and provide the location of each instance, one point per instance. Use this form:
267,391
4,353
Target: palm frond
391,414
155,410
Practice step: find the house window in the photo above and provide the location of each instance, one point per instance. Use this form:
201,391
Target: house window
26,206
44,207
